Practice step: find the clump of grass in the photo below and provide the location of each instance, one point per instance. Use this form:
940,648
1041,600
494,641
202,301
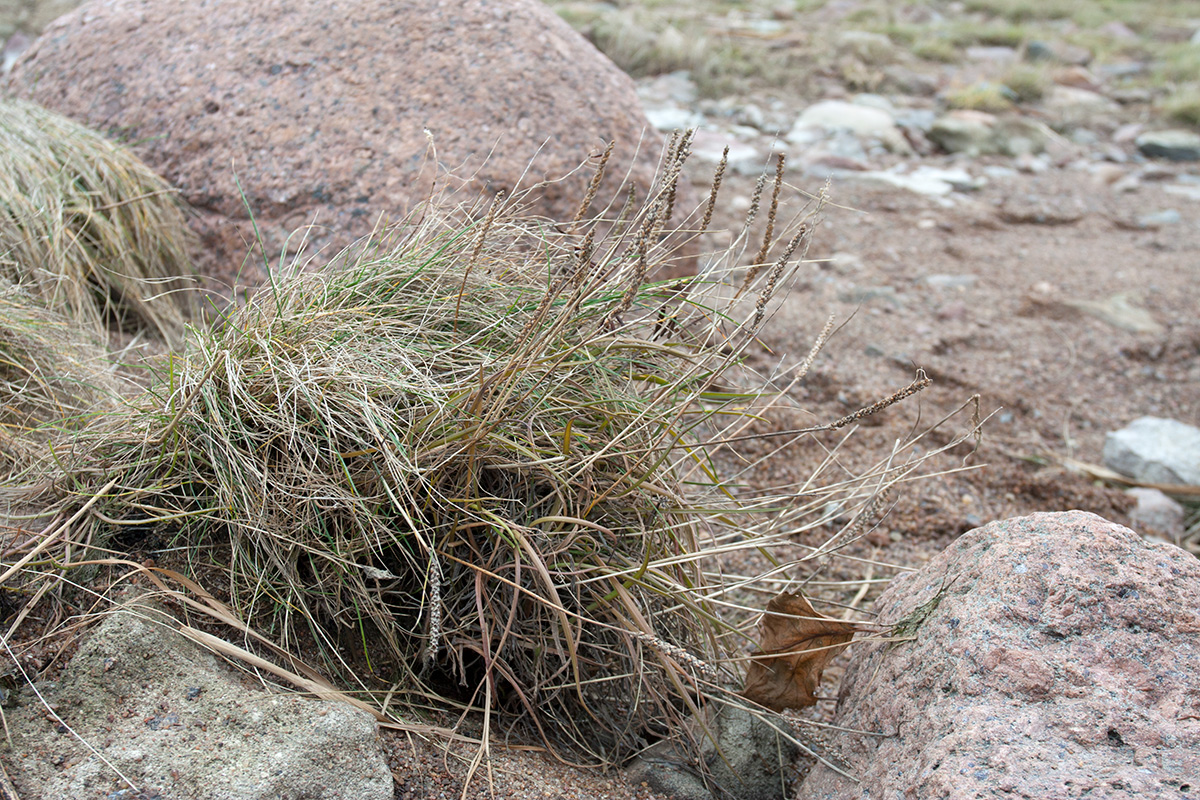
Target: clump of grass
51,371
1183,105
733,65
1180,63
1025,10
87,228
936,48
967,32
468,462
1027,83
456,447
642,42
980,96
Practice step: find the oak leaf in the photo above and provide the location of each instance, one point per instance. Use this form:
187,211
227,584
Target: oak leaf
796,646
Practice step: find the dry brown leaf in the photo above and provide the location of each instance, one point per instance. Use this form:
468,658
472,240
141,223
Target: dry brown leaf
797,644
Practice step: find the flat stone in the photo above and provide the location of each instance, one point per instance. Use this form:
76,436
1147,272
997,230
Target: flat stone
1027,209
961,131
950,281
1119,311
861,295
672,118
1155,450
998,54
1070,105
1173,145
864,121
1157,219
709,146
926,180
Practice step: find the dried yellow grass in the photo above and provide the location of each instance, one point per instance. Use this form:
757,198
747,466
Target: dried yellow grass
88,228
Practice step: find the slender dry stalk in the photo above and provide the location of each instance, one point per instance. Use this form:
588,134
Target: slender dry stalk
593,186
800,241
714,189
768,234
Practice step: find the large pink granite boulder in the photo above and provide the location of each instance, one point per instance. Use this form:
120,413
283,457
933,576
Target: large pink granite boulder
320,108
1063,660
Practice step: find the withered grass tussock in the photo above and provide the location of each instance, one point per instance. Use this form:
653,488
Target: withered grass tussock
54,376
87,227
471,463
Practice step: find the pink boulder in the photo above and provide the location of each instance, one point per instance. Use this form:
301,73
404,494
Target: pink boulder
326,111
1062,660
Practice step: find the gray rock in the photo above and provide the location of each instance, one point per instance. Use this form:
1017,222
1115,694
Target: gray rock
926,180
748,762
862,295
1156,219
1190,191
997,54
324,112
672,117
1060,52
1174,145
845,263
1066,106
674,87
1032,209
977,133
179,723
1157,512
918,119
1055,655
830,117
950,281
1119,311
744,158
1155,450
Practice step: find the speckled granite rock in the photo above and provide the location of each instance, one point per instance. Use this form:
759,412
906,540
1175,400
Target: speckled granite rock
320,109
1062,661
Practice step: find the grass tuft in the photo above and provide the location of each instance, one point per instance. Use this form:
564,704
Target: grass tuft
1183,105
470,464
52,375
980,96
1028,83
87,228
